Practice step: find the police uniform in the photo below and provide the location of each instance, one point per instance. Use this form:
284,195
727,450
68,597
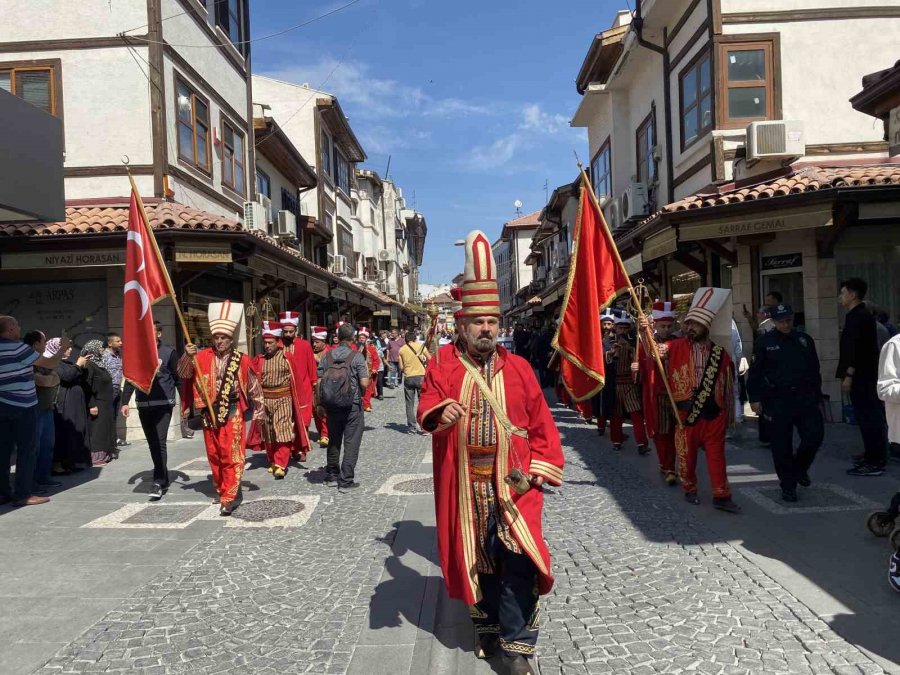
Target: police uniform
785,377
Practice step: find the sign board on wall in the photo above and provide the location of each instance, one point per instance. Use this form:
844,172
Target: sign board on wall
32,261
781,262
761,223
78,307
203,254
633,265
894,132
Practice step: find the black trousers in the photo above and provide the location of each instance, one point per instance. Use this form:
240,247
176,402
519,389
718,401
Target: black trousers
509,605
345,427
871,420
18,433
379,384
782,415
155,423
412,389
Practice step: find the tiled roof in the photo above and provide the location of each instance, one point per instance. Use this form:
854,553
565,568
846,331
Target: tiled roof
807,179
96,219
526,221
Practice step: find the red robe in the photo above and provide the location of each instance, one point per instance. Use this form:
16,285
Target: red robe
305,370
373,365
514,383
206,359
256,441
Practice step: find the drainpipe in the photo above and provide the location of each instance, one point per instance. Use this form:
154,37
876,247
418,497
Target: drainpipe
638,23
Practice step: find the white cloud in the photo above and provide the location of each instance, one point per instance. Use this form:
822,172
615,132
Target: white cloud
372,97
533,127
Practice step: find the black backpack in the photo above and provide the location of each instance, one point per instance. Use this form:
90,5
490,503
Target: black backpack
336,385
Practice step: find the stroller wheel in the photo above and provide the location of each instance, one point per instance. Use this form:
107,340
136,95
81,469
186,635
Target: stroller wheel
880,523
895,540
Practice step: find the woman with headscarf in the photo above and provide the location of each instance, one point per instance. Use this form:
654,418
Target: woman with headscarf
99,388
73,440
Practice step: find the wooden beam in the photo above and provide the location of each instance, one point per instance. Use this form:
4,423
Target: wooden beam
693,263
721,250
844,214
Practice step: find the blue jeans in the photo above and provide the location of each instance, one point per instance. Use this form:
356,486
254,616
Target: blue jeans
18,430
46,439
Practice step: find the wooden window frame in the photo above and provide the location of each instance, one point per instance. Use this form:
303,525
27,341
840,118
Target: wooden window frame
649,122
223,20
55,68
207,170
325,154
702,130
605,147
770,43
336,160
264,175
235,130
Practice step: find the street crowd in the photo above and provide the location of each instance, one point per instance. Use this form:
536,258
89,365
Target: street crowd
494,439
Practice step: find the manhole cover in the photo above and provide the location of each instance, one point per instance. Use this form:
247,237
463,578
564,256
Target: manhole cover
813,497
165,515
266,509
417,486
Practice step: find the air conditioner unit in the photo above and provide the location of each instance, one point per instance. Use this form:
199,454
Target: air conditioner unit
339,264
780,139
266,202
611,213
287,225
634,203
385,255
256,217
383,286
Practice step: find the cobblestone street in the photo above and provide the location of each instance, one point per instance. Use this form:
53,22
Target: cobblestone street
306,578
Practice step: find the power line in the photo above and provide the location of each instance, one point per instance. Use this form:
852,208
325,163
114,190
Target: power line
215,5
264,37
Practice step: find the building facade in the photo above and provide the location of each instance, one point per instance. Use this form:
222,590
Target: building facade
725,152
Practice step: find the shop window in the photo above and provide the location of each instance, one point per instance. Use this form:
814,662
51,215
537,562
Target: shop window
747,90
37,84
193,126
695,102
232,158
601,170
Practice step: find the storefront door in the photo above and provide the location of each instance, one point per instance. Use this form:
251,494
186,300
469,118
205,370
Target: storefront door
784,274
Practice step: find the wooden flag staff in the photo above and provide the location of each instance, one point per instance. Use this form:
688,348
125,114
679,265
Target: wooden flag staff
201,385
643,324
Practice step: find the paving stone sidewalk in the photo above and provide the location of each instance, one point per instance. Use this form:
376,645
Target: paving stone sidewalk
643,586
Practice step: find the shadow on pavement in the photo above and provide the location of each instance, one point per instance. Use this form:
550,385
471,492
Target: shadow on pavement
830,548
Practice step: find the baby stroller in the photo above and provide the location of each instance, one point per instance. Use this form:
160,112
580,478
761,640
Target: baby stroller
885,523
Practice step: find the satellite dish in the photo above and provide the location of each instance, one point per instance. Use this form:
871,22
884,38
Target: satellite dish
517,204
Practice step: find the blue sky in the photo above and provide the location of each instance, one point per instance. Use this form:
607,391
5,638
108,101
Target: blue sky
471,99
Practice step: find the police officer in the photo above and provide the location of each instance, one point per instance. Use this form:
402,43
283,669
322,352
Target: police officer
785,388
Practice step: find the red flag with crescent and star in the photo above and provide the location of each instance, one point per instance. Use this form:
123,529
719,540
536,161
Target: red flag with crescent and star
596,278
145,284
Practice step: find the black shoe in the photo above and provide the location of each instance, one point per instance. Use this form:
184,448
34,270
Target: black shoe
157,492
726,504
803,479
348,486
123,443
617,447
226,509
486,646
789,495
601,432
866,470
643,449
691,498
516,664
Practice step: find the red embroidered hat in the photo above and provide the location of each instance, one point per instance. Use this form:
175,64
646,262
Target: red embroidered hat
271,329
663,311
480,295
292,318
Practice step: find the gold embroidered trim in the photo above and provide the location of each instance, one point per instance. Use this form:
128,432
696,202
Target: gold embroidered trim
465,499
707,385
517,647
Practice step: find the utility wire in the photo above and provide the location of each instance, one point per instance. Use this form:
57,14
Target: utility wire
264,37
215,6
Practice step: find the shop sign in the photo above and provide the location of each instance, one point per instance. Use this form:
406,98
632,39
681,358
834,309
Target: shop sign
203,254
764,223
95,258
781,262
661,244
894,132
633,265
381,312
317,287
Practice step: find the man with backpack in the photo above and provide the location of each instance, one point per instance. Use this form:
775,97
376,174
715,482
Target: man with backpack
413,357
343,376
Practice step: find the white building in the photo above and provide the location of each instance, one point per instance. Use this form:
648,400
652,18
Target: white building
694,198
510,253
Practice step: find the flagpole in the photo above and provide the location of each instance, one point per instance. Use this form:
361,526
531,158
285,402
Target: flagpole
201,385
648,337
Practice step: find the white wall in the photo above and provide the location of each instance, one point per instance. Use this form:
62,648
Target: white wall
55,19
523,247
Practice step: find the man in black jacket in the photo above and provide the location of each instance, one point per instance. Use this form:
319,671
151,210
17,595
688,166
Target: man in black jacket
155,412
858,371
785,389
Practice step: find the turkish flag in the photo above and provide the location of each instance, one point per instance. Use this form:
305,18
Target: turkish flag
596,277
145,284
